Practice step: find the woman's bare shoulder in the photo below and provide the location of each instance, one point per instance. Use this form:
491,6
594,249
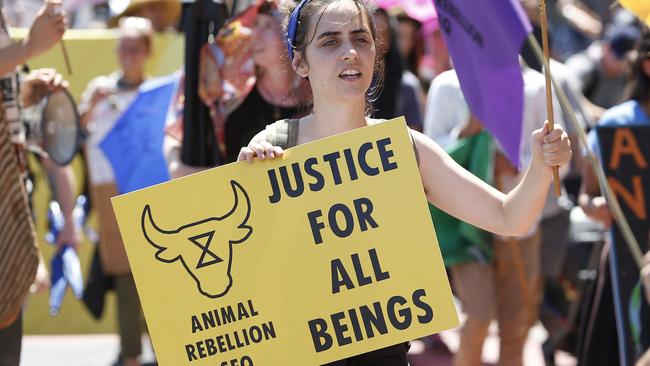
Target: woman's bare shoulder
374,121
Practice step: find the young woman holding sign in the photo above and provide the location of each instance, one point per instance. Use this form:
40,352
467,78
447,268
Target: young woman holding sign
332,44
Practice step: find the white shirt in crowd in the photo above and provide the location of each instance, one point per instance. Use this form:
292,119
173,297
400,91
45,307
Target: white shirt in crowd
447,114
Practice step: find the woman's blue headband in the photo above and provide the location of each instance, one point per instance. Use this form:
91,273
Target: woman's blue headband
292,27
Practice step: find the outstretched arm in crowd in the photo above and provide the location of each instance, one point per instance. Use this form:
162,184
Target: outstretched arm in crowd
37,84
48,28
63,181
456,191
591,200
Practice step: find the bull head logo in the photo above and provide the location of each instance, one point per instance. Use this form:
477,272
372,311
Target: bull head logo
204,247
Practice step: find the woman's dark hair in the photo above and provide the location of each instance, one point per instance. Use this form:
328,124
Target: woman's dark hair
640,85
386,104
301,41
413,58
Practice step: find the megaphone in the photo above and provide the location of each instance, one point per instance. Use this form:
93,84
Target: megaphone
52,127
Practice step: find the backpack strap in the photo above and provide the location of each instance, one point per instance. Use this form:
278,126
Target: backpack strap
283,133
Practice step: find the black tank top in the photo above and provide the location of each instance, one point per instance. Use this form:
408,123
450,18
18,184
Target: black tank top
250,118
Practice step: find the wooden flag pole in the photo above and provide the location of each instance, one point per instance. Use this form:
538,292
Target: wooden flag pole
65,57
549,90
56,11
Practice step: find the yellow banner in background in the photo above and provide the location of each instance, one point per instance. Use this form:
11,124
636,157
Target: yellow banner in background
326,253
92,53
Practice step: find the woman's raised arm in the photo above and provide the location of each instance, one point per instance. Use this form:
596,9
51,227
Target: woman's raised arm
455,190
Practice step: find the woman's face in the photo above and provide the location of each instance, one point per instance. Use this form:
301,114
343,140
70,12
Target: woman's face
341,55
267,45
132,53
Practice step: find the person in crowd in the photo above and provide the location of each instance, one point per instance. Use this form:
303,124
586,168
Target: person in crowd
103,101
409,39
602,69
555,222
276,94
333,45
635,111
493,289
434,42
22,266
401,94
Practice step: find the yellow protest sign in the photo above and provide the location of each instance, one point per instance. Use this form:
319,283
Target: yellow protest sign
326,253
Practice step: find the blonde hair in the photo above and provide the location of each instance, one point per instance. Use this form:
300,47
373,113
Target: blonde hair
137,27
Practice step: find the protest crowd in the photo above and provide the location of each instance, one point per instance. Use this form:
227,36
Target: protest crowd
569,291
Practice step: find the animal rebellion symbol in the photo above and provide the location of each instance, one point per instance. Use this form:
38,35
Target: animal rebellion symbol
208,257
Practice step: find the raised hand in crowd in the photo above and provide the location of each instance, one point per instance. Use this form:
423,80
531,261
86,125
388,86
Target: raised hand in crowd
47,29
38,84
593,204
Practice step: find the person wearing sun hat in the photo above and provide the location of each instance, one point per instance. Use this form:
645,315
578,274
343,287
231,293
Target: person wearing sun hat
163,14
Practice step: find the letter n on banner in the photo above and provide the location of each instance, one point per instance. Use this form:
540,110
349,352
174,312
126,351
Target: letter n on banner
625,152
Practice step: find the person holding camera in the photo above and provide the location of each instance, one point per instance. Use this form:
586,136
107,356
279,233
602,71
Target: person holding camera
21,266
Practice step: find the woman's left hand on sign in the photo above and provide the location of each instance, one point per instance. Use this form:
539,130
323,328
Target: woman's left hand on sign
39,83
261,150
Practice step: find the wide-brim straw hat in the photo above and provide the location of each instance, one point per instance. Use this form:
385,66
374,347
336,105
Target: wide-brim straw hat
172,11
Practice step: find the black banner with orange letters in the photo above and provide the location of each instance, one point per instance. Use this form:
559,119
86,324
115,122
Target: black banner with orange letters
625,153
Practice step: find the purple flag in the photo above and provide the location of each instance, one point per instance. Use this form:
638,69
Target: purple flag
484,38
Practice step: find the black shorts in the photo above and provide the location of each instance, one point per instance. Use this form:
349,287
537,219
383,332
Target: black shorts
10,343
389,356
